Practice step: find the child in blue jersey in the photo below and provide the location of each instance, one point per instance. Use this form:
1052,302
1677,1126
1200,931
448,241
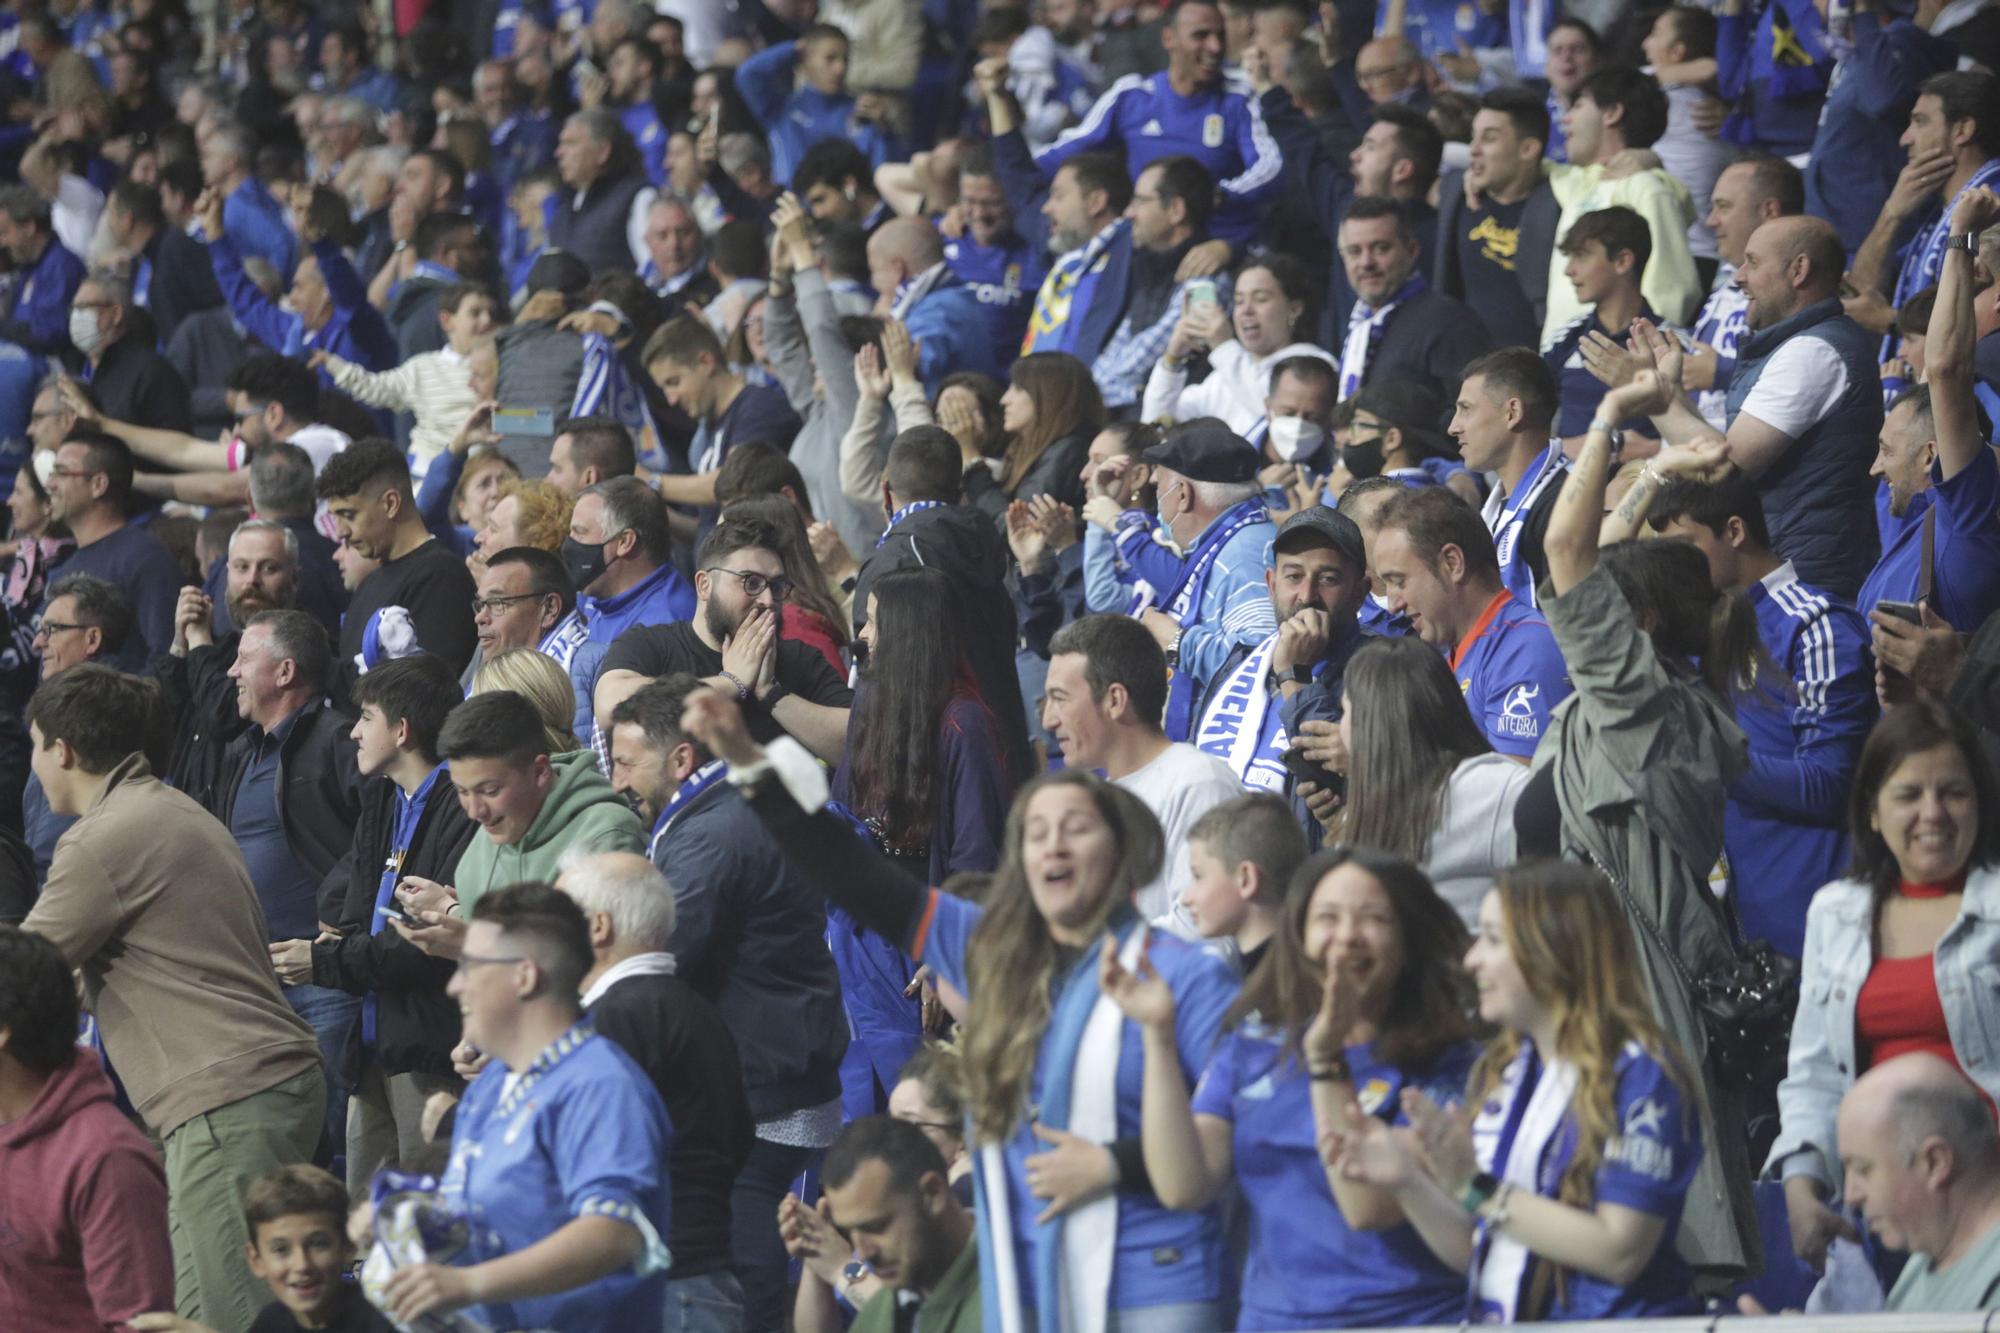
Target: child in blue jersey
1360,998
1562,1195
1068,1223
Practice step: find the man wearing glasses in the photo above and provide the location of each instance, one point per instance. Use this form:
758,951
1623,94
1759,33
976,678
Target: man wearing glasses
526,600
736,643
85,620
89,488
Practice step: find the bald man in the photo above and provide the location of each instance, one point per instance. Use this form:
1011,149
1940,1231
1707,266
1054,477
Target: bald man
1804,406
1391,69
1922,1164
907,269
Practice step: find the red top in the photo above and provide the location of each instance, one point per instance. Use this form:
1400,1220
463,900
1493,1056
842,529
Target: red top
813,630
1898,1011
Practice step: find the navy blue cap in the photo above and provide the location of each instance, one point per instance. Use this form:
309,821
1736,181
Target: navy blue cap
1207,453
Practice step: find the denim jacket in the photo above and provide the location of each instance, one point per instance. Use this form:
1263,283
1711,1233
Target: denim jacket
1839,951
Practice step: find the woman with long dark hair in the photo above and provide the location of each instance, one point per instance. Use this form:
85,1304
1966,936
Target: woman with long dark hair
922,767
1632,774
1422,781
1562,1196
1051,411
1068,1239
1361,996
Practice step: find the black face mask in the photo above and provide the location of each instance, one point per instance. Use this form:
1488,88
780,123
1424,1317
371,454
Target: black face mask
1362,457
584,562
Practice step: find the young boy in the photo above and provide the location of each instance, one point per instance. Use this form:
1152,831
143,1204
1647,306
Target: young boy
435,386
798,93
1241,855
299,1245
1607,251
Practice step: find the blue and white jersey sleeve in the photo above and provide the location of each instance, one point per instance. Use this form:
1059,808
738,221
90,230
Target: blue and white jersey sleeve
610,1142
1243,195
943,937
1098,131
1650,1163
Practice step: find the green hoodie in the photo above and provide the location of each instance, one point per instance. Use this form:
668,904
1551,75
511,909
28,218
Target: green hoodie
581,810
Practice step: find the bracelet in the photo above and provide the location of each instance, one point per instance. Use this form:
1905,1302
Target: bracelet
773,696
1967,241
1483,1186
742,690
1335,1070
1653,477
1599,423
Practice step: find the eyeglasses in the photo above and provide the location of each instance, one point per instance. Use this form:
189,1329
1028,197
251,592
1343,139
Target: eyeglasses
468,961
754,584
55,472
945,1126
483,606
253,410
48,629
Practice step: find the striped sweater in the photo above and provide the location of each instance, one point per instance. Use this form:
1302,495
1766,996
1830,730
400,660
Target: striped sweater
436,387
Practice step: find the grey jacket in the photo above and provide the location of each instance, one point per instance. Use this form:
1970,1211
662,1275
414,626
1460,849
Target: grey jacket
1642,758
801,337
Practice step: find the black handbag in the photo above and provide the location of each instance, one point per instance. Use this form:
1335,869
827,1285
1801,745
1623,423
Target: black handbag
1745,1004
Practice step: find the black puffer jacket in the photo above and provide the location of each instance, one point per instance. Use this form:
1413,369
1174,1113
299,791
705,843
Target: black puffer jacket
319,796
416,1023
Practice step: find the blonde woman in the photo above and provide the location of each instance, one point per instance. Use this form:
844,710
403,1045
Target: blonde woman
535,677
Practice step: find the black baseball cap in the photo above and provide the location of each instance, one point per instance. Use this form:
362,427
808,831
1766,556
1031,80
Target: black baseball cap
1207,453
1316,526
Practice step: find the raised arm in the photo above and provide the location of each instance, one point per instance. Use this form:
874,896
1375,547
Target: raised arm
765,80
1949,340
1572,537
854,876
1188,1156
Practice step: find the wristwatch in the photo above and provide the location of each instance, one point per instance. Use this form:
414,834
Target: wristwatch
771,697
1967,241
1174,652
1302,675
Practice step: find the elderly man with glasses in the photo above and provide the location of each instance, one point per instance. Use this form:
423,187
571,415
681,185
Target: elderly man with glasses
526,600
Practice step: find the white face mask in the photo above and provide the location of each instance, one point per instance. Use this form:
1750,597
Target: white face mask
1293,438
83,331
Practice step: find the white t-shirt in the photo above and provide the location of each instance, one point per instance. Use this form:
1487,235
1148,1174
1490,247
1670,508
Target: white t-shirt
1179,787
1800,385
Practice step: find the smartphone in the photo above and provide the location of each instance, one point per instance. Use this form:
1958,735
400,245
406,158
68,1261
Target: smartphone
1901,610
1305,770
393,912
533,422
1201,291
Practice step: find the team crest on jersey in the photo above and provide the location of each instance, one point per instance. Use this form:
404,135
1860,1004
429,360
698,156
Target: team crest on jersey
1211,132
1370,1095
1011,279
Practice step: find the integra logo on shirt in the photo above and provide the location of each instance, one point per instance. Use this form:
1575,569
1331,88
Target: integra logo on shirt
1517,711
1639,1148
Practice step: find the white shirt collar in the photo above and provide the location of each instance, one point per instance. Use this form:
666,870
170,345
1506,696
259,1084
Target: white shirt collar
638,965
